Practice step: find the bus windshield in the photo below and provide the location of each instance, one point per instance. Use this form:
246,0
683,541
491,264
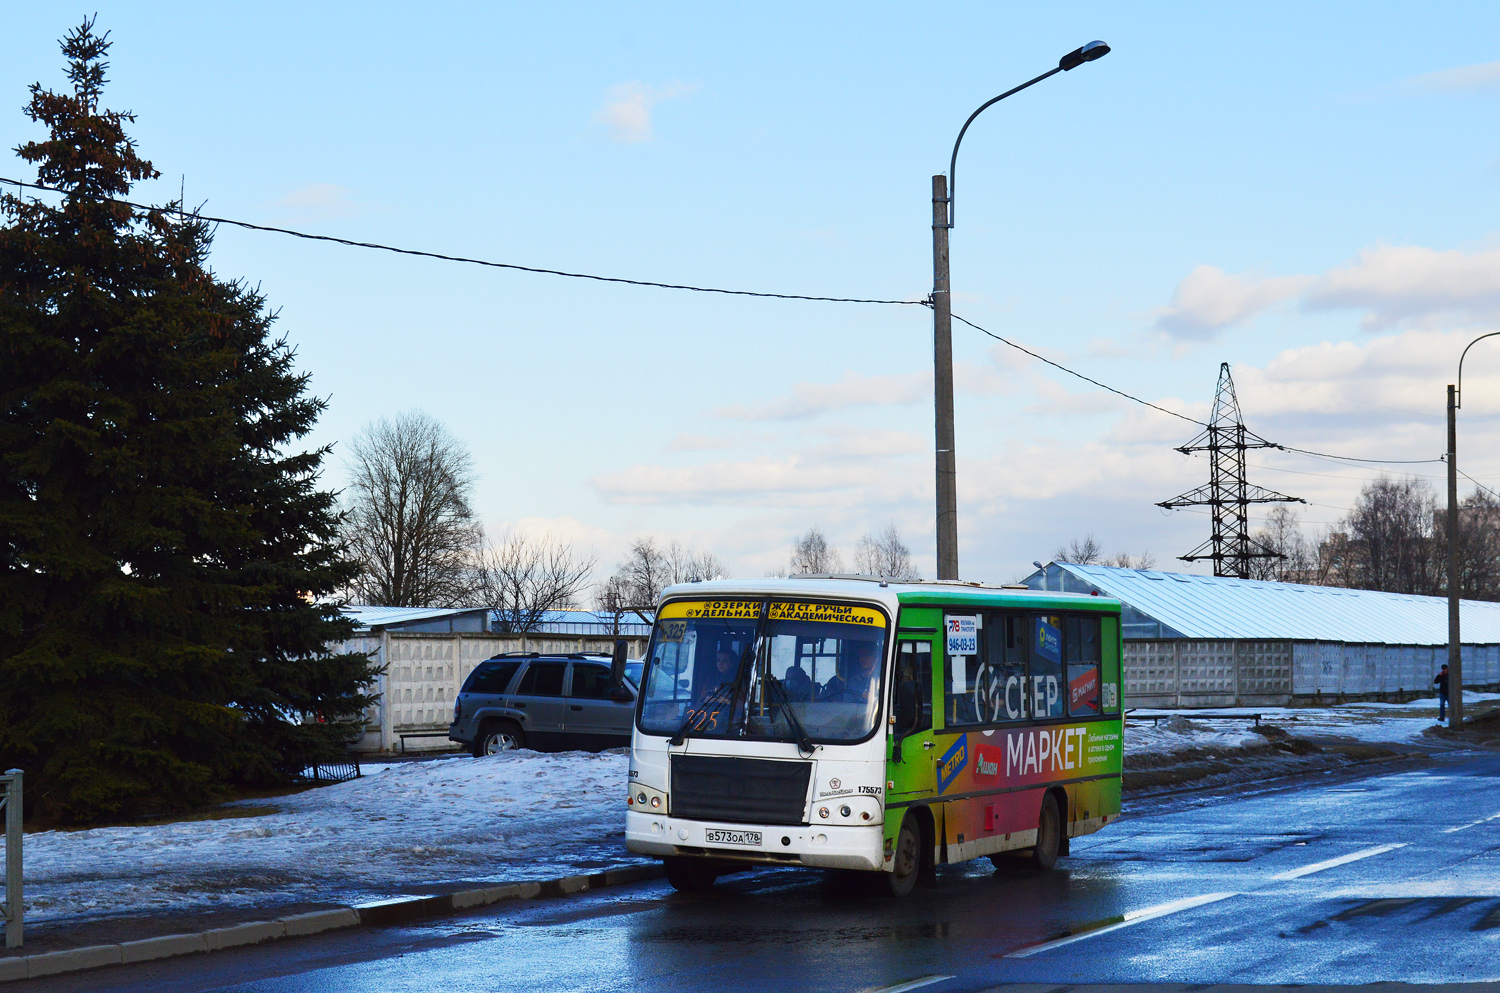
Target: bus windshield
767,670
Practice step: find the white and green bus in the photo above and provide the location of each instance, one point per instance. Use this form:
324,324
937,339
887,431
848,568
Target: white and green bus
855,723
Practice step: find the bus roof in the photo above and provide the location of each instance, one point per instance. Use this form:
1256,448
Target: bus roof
893,593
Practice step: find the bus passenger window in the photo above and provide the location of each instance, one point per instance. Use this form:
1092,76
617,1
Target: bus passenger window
1081,645
1044,689
990,687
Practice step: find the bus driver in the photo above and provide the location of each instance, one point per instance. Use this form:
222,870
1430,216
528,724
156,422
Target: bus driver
856,685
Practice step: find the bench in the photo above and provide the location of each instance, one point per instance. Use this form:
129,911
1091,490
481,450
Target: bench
403,735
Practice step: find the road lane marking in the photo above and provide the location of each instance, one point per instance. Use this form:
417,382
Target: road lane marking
910,984
1308,870
1131,917
1482,820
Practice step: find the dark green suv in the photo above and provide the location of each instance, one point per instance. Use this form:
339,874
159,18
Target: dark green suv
544,702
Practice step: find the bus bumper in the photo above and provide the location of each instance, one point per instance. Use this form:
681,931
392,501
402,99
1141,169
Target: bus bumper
820,846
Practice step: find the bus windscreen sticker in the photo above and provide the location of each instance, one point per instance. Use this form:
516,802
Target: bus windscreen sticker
835,613
963,635
1048,642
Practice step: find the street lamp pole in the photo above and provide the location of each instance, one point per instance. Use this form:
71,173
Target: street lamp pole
1455,644
942,324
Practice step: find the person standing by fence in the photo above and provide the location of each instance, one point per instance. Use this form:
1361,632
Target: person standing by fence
1441,682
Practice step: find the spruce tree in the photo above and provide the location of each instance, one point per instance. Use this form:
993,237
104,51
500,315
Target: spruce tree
166,554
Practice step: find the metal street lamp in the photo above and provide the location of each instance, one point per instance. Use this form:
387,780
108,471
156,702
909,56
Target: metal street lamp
1455,646
942,322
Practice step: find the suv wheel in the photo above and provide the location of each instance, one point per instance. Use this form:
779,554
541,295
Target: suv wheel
496,738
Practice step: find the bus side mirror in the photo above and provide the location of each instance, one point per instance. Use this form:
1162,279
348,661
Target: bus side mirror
617,664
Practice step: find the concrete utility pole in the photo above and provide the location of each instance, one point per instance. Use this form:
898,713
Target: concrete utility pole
1455,644
942,324
942,385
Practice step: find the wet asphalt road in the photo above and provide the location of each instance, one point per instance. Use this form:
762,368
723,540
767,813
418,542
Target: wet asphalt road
1334,880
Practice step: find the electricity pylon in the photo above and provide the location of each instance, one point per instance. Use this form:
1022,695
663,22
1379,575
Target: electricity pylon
1226,439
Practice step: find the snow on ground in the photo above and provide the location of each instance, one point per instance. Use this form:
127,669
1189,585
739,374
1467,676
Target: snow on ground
524,815
1363,722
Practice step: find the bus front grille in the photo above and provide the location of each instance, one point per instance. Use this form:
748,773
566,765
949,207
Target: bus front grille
744,791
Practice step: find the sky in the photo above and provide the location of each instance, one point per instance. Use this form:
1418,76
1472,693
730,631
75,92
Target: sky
1307,192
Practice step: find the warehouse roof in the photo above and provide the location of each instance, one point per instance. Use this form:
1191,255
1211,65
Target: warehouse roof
1181,605
487,620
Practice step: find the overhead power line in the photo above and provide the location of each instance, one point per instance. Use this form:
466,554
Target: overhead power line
1164,410
1074,372
516,267
470,261
1478,484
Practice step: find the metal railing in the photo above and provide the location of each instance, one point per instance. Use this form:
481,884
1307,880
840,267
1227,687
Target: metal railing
331,772
11,907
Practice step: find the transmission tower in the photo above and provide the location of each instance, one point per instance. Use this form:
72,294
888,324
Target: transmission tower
1226,440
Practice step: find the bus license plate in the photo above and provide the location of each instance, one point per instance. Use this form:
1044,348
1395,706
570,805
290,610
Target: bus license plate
715,836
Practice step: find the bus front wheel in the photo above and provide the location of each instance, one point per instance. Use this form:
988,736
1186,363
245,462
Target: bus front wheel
902,878
1048,834
689,875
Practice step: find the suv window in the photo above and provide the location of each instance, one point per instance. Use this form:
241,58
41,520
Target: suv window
491,677
542,679
590,680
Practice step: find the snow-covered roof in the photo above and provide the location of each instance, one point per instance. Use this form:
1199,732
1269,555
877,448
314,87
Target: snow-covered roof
372,617
1181,605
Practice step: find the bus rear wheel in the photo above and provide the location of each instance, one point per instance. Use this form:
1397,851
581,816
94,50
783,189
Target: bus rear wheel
907,859
1048,834
690,875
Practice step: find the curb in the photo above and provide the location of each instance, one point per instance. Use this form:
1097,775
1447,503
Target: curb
380,913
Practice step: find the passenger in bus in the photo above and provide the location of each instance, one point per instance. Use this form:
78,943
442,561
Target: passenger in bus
855,686
798,684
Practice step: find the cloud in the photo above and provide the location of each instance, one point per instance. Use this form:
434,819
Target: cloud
755,481
1210,299
627,109
1410,284
317,200
1484,76
853,390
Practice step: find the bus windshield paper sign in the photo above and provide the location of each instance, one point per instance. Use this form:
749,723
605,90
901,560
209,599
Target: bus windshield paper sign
963,635
1048,641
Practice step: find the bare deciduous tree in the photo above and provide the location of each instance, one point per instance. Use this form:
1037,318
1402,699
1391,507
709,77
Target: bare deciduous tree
1124,560
648,569
1283,534
812,555
408,520
885,555
524,577
1389,542
1079,552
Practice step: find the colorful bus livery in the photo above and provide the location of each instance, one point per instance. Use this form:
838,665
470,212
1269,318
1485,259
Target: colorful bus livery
853,724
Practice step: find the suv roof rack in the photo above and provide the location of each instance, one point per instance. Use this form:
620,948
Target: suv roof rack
514,655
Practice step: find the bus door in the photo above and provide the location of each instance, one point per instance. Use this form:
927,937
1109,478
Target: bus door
911,759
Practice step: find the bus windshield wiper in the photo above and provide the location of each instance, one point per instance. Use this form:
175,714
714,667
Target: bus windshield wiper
804,743
697,714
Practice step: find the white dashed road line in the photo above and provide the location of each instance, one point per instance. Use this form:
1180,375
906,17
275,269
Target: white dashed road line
1482,820
1133,917
1308,870
911,984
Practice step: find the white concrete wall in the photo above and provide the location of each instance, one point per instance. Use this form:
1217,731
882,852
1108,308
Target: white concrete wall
421,674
